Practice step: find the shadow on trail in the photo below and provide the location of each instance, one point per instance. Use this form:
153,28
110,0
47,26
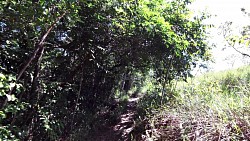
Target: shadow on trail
122,127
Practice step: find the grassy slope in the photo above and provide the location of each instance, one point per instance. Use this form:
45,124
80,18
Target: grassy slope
215,106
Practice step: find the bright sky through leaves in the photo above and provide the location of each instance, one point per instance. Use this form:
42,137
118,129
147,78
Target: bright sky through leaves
222,11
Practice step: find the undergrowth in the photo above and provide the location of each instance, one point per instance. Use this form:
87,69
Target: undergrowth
214,106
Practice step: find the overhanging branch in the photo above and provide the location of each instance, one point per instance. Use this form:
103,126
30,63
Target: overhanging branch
244,54
39,47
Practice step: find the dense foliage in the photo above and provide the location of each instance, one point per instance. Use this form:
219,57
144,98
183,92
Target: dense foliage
71,57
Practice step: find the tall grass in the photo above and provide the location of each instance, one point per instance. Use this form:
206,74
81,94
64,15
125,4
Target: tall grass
214,106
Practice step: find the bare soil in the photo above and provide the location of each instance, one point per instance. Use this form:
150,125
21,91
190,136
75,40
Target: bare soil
122,128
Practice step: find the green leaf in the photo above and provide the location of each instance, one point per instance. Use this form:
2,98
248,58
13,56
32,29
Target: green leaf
11,97
2,77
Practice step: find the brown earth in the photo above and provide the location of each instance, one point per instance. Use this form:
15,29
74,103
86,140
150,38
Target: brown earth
124,127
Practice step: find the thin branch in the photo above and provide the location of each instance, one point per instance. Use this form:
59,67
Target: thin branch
77,100
244,54
39,47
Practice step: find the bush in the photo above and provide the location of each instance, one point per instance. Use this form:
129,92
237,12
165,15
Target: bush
10,105
214,106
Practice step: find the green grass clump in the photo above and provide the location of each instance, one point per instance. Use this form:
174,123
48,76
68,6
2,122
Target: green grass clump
214,106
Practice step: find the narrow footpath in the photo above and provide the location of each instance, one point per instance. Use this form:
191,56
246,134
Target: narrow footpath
122,129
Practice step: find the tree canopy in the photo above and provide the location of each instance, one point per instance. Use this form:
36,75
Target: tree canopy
61,61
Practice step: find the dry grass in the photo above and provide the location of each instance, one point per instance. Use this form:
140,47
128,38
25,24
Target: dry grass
214,107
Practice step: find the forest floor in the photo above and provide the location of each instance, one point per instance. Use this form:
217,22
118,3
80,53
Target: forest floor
123,127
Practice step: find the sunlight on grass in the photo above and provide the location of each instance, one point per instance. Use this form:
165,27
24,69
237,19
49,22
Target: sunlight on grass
215,106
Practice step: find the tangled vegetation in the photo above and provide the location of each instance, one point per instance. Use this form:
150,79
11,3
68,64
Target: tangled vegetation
214,106
62,62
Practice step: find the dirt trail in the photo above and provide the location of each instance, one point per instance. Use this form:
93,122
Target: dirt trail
122,129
